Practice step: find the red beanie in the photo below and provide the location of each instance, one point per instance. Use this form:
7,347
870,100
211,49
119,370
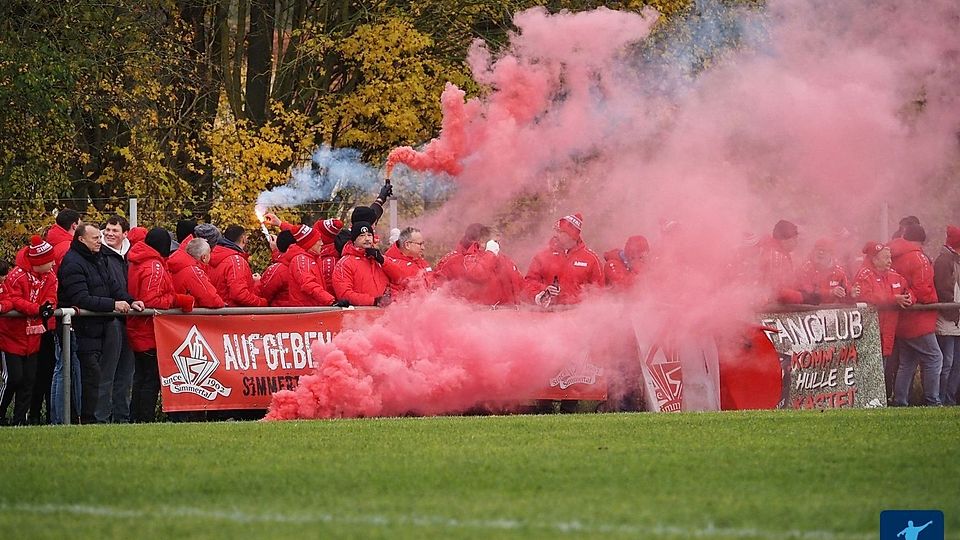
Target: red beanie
571,225
636,246
40,251
953,237
872,248
329,229
306,236
136,234
826,244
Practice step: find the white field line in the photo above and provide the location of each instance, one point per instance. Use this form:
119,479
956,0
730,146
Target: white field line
376,520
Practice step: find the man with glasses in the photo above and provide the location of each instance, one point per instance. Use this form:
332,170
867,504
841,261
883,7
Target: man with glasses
413,271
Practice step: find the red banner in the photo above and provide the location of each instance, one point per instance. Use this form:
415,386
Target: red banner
236,362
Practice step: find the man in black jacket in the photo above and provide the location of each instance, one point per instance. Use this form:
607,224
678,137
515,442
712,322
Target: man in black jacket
86,283
116,360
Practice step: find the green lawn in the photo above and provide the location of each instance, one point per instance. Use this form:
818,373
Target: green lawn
772,474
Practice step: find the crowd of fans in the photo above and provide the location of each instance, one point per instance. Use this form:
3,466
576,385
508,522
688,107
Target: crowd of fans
117,269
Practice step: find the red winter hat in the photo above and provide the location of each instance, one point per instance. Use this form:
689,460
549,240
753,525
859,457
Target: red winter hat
826,244
953,237
872,248
329,229
571,225
136,234
306,236
636,246
40,251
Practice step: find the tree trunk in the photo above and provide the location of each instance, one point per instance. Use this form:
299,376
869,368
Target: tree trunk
259,60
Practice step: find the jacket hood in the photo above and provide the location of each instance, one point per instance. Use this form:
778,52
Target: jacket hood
221,252
230,244
292,251
142,252
58,234
352,250
900,247
395,252
124,247
612,255
179,260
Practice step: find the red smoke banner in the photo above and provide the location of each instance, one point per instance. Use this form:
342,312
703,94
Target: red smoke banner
213,362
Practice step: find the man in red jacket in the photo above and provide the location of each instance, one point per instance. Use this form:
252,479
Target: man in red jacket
479,272
361,275
61,233
876,283
822,276
231,273
150,282
329,229
623,266
777,275
561,273
275,281
415,273
188,267
306,278
30,289
916,338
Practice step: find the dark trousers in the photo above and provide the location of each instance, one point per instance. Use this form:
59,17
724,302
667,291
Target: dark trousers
116,375
21,372
89,385
146,387
46,359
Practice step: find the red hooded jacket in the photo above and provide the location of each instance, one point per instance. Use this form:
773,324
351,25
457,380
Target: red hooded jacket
413,273
880,288
576,269
190,277
230,274
776,273
148,280
910,262
24,291
60,239
306,280
359,279
616,272
482,277
275,281
328,254
811,279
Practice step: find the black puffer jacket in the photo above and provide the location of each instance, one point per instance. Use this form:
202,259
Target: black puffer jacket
86,283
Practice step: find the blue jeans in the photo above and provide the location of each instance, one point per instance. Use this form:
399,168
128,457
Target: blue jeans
950,373
57,415
925,352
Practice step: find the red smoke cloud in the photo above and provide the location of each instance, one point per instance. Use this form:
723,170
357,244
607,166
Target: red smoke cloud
827,110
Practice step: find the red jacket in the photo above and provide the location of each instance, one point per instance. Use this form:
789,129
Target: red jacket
616,272
359,279
5,304
776,273
60,239
275,281
576,269
412,273
811,279
190,277
880,289
230,274
148,280
328,262
481,277
306,280
911,263
24,291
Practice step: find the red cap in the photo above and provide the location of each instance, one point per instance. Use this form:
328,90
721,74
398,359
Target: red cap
136,234
306,236
825,244
571,225
39,252
636,245
329,229
872,248
953,237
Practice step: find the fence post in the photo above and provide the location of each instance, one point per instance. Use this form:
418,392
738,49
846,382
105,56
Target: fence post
133,212
65,354
884,222
394,218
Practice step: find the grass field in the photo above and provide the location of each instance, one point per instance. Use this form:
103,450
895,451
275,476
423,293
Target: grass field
772,474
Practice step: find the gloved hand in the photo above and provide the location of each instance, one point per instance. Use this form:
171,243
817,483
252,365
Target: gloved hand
385,192
374,253
493,247
383,301
185,302
340,303
543,299
46,312
552,290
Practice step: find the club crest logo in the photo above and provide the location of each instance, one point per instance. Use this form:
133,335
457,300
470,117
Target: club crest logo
581,373
196,364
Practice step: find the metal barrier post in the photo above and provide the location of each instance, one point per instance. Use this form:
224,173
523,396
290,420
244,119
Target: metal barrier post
65,354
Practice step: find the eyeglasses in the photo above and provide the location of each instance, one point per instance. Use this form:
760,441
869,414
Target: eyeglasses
417,243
